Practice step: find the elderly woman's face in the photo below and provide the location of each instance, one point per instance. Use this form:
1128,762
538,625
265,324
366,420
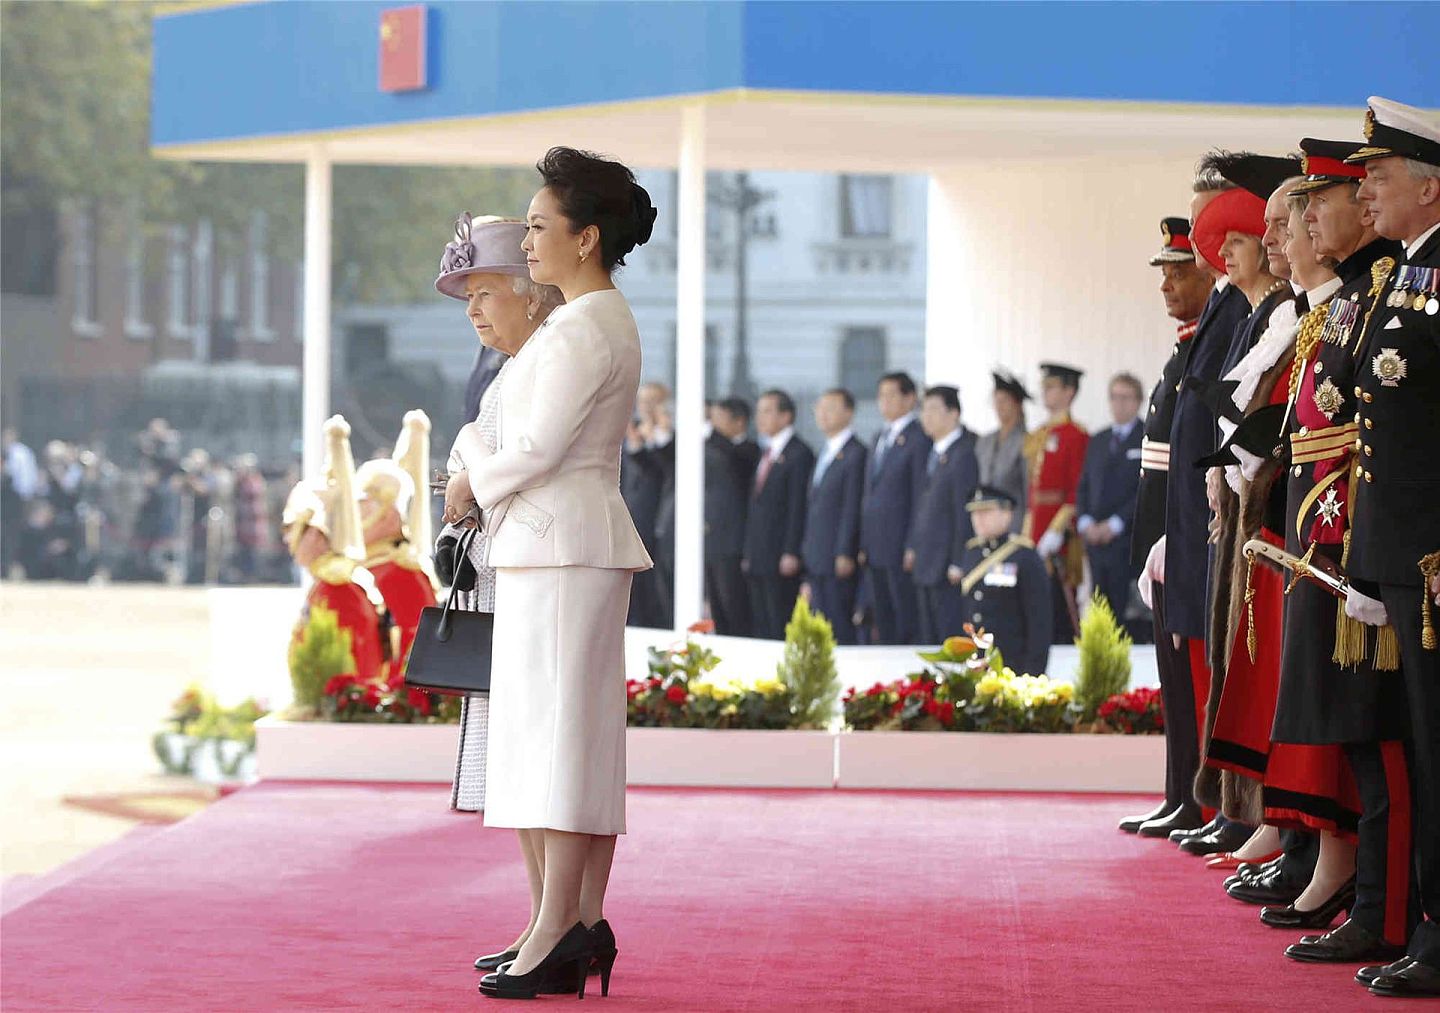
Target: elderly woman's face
1244,258
496,312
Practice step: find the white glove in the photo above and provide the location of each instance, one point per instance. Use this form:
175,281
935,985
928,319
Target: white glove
1249,463
1050,543
1364,609
1232,477
1153,572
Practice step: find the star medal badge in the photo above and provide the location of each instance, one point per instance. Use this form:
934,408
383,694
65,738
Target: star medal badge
1388,367
1328,398
1328,510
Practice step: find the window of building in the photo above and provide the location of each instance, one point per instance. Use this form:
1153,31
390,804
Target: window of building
177,283
136,326
865,206
862,359
201,258
297,272
87,275
259,277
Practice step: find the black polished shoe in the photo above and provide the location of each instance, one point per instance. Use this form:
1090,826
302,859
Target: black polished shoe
1248,872
1413,981
1321,917
1227,838
602,963
1185,833
1350,943
574,951
1369,973
1131,824
1270,888
1183,818
492,961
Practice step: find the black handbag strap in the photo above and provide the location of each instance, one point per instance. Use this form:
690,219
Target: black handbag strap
462,551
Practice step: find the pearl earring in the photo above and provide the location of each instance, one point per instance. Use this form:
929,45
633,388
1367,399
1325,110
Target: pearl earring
583,255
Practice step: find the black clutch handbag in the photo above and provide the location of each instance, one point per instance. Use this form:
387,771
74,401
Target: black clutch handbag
451,650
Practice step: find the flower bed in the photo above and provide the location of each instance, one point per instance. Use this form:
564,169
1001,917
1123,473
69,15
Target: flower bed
206,741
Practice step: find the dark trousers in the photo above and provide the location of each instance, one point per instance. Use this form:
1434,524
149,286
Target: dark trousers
647,605
941,612
1299,851
1177,698
834,598
728,595
772,599
896,609
1063,631
1383,897
1113,574
1421,669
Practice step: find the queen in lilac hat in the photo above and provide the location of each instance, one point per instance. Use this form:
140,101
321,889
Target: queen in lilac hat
486,245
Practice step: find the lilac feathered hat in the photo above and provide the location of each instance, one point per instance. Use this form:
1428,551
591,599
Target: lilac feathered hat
487,245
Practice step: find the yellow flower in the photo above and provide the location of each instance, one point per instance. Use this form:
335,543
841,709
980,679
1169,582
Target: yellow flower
769,687
958,646
704,689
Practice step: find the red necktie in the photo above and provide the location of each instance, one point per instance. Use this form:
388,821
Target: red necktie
763,472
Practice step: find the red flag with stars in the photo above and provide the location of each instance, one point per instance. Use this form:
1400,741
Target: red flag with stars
402,48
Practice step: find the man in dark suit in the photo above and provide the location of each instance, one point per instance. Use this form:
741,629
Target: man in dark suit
941,525
647,478
1105,501
730,458
832,520
894,476
775,525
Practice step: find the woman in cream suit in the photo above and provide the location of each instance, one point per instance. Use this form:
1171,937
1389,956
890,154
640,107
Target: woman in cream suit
564,550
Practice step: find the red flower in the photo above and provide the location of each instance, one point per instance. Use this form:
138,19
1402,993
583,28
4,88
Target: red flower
676,694
945,711
419,700
371,696
703,626
338,683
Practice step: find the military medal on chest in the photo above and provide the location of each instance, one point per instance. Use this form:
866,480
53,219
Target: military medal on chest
1388,367
1328,510
1416,288
1342,317
1328,398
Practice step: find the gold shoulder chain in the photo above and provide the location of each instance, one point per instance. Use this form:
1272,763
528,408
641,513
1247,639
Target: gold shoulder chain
1306,342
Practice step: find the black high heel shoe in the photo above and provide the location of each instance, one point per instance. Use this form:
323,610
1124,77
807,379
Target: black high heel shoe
492,961
1292,918
574,950
605,953
602,963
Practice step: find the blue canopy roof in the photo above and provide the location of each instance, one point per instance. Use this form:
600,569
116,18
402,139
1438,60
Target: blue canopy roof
298,67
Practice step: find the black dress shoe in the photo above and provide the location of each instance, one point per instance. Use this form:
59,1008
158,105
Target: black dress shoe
1319,918
1198,829
1350,943
492,961
1369,973
562,980
1131,824
573,951
1227,838
1268,889
1414,980
1183,818
1251,871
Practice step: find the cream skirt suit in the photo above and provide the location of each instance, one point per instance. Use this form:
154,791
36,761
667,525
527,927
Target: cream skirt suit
564,551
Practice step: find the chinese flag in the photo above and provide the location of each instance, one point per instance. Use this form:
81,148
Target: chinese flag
402,48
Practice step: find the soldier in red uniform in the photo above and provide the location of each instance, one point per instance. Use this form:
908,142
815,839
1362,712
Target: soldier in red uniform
323,531
1056,455
396,516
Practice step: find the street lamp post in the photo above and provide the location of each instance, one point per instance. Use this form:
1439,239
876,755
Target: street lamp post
742,198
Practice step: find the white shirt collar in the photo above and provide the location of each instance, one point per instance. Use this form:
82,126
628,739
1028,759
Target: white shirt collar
1323,291
835,443
778,441
1222,282
946,442
1123,431
1296,287
1410,248
898,426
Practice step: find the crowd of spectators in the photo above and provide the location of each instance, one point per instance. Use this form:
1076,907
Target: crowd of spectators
149,511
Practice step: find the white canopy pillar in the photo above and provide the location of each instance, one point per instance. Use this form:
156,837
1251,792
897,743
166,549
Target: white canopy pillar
690,370
315,368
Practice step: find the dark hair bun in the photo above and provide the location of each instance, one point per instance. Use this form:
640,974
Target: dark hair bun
598,191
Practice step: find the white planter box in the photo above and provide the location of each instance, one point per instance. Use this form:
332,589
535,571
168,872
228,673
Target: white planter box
335,751
354,751
976,760
700,757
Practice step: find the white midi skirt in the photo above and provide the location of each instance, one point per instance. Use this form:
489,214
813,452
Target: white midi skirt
556,756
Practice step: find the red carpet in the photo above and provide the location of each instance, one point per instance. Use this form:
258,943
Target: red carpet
349,897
